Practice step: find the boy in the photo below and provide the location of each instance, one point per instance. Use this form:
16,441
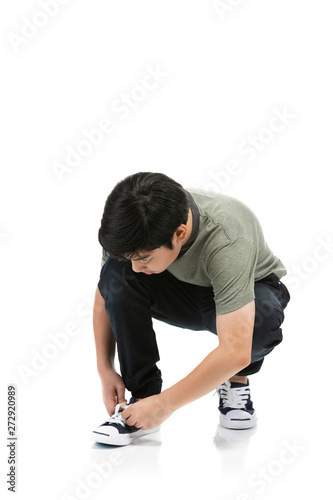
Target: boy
192,259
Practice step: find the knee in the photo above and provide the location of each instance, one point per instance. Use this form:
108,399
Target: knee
268,318
114,279
269,314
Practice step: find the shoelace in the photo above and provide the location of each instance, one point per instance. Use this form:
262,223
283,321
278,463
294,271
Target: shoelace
116,418
235,397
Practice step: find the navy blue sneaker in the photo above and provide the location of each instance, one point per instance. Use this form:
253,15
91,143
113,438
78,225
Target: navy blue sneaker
236,408
115,430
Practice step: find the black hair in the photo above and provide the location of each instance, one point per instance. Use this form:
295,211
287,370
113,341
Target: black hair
142,213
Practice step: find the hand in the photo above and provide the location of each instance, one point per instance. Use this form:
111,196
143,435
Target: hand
113,388
146,413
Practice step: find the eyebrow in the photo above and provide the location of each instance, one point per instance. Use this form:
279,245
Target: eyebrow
143,257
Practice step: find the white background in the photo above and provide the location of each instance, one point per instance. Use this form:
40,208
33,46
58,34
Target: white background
226,72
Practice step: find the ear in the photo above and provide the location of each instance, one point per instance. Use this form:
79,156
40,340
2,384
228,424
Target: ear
180,233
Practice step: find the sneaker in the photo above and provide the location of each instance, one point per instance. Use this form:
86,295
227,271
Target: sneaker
236,408
116,432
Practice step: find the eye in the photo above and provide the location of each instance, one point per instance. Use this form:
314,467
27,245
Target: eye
146,261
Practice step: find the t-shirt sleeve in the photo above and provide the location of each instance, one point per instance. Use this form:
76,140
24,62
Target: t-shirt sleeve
231,270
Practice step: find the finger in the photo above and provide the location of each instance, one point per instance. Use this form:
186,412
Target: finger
126,413
121,395
121,400
111,409
131,422
110,404
130,419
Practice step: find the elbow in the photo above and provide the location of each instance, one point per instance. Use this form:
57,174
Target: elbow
243,361
236,360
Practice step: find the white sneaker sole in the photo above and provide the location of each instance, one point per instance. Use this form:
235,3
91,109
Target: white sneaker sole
238,419
120,439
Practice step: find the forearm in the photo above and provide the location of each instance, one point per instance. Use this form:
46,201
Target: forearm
235,331
104,339
215,369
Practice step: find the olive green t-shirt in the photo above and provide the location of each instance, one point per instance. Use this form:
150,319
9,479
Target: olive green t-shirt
229,252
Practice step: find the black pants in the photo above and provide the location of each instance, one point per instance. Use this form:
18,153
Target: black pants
133,299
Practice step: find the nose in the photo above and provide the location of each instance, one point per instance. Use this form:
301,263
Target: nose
137,266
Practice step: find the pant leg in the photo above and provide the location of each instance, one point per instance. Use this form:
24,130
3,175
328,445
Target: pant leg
131,301
271,298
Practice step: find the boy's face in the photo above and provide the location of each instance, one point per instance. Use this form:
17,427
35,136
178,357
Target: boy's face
156,261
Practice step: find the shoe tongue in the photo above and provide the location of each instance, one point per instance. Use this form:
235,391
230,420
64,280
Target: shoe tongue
233,385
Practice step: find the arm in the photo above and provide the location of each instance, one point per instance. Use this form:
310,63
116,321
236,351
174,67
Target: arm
235,331
233,353
104,340
112,384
